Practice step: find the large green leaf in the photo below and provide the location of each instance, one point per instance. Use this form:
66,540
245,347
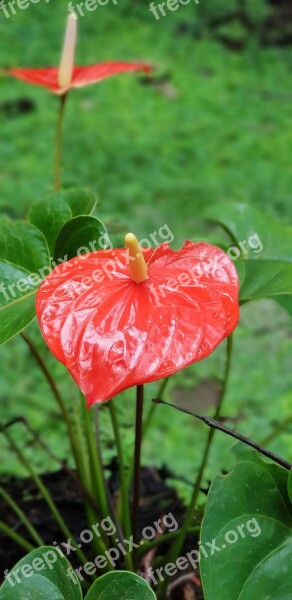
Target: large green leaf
249,518
79,236
43,574
50,214
120,585
263,252
290,486
24,260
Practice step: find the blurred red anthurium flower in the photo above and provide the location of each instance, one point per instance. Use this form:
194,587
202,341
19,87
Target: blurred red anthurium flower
120,318
60,80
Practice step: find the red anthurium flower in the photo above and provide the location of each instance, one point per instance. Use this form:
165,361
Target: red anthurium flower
67,76
120,318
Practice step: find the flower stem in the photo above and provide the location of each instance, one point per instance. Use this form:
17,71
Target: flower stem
137,461
178,544
145,428
58,146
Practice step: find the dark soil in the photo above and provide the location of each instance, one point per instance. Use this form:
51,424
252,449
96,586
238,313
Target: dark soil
234,28
157,499
18,107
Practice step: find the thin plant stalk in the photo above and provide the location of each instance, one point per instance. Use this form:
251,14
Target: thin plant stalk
110,505
137,461
58,397
125,512
45,494
97,474
23,518
21,541
90,502
76,476
145,428
98,544
112,511
277,431
163,539
178,544
151,411
76,449
99,484
217,425
92,511
58,146
84,455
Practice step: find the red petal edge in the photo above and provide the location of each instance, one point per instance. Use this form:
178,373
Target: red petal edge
95,73
44,77
112,333
82,76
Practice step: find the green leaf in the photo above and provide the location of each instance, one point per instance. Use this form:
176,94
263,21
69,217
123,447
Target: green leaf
43,573
271,576
249,518
265,278
80,236
265,238
50,214
23,245
262,250
290,486
34,588
120,585
17,309
286,303
24,260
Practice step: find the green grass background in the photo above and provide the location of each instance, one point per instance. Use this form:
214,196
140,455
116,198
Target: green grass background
215,126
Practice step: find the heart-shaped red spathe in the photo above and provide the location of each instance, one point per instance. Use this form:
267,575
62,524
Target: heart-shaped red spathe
82,76
113,333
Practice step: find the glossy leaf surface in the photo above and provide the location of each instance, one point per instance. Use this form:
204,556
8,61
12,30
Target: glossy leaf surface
79,235
51,213
41,575
249,518
120,585
23,254
263,249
